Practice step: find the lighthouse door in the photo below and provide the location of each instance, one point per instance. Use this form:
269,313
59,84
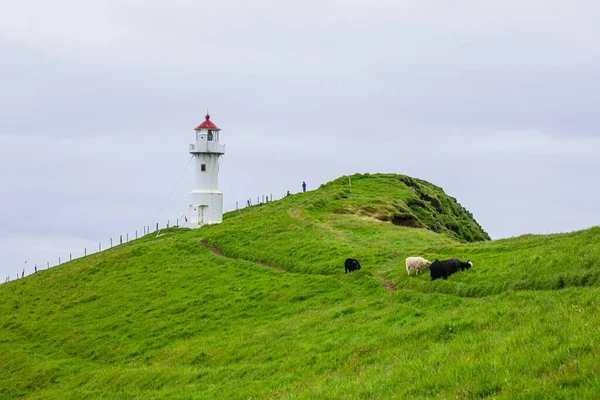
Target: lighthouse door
194,215
201,215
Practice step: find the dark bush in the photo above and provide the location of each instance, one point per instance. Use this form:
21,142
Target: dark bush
416,202
435,203
408,181
406,220
453,226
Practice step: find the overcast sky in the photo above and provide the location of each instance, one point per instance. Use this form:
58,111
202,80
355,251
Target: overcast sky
494,101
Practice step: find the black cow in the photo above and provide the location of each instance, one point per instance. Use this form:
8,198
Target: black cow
445,268
351,265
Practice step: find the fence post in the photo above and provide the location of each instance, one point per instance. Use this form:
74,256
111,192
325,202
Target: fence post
70,257
58,262
47,264
100,248
168,224
35,268
156,227
85,251
350,184
111,243
120,239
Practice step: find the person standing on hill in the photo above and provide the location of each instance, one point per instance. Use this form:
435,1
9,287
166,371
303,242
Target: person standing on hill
303,186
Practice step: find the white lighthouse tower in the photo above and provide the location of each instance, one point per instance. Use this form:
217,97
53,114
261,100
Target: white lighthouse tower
206,201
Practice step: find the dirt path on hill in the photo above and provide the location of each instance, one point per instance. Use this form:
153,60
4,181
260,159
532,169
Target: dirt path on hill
217,252
295,214
389,286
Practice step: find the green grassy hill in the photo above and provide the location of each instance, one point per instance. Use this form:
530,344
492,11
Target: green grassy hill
165,317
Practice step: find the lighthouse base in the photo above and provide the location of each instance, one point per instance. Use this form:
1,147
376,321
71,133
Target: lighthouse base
206,207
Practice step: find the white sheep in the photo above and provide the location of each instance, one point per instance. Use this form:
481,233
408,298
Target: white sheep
416,263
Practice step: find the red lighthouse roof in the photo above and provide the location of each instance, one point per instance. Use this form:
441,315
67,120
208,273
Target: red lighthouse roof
208,124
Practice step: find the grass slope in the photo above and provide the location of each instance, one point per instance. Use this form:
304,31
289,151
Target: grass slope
163,317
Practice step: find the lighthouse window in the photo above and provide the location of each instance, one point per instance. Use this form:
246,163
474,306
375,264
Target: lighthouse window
210,135
202,167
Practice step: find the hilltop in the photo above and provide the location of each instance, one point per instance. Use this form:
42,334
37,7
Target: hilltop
165,317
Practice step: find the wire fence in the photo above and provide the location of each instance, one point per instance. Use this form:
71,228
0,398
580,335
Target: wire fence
262,199
102,246
124,238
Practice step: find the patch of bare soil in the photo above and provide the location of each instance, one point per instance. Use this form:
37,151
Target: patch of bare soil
389,286
217,252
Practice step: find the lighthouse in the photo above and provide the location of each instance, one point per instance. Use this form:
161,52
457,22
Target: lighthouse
206,201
